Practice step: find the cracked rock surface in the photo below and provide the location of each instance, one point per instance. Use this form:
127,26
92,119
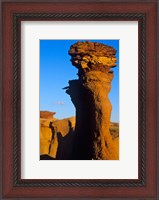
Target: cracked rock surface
89,94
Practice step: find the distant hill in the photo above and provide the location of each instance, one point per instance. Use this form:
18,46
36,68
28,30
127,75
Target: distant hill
114,129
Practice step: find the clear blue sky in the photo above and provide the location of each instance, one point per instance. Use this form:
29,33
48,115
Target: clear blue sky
55,72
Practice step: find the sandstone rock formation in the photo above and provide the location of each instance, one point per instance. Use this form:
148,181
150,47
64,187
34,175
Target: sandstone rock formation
60,145
89,94
45,132
47,114
92,56
56,136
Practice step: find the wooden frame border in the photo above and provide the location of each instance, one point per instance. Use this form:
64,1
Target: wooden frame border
146,14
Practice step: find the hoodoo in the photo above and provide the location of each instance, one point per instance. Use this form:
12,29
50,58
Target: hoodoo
89,95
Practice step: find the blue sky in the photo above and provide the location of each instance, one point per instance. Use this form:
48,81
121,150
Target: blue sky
55,72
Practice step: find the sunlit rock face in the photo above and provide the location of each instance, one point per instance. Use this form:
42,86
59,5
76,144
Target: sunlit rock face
92,56
56,136
89,94
47,115
45,132
62,138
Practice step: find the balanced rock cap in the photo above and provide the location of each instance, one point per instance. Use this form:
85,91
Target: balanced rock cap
92,56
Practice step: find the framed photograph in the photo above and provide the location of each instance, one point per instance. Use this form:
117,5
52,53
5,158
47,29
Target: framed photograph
79,100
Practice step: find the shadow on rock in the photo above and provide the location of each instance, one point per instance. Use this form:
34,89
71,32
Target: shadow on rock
46,157
65,145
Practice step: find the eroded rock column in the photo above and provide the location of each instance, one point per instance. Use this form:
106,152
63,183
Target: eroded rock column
89,94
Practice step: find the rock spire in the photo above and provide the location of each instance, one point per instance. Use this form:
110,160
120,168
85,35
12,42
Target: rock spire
89,94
